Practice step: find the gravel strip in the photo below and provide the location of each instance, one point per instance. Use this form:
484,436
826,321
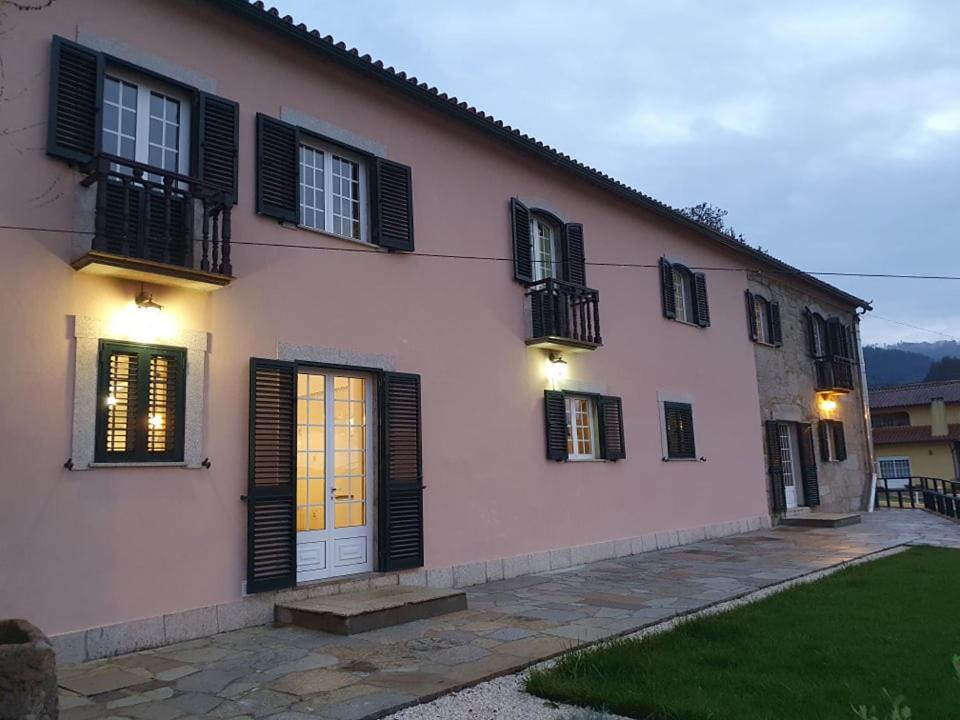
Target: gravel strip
505,698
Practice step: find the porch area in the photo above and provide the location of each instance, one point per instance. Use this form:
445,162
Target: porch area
291,672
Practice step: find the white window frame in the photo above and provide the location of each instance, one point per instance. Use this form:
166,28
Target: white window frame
831,444
145,87
894,459
682,292
819,324
541,269
761,314
329,150
569,400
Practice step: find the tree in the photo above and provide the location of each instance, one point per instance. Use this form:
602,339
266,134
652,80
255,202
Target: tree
713,217
947,368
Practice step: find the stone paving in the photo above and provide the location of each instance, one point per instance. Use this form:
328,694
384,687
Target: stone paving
289,673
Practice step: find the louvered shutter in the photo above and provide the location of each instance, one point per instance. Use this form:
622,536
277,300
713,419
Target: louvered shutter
217,133
165,403
76,96
775,466
611,428
666,290
839,441
776,329
522,248
811,333
119,403
751,316
555,421
278,170
702,304
392,205
681,443
574,260
401,473
271,494
808,465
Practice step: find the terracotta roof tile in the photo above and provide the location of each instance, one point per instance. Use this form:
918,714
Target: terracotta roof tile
915,394
913,433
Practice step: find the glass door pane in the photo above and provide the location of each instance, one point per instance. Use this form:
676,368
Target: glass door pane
349,447
311,452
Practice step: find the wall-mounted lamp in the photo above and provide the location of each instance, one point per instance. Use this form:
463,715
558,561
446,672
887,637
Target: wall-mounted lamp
555,368
143,320
826,403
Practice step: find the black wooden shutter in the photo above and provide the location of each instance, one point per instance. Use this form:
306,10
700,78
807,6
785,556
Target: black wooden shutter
271,493
278,169
666,290
823,431
610,411
776,329
217,137
702,304
76,96
751,316
839,441
522,249
678,418
392,205
555,422
401,473
574,260
775,466
808,465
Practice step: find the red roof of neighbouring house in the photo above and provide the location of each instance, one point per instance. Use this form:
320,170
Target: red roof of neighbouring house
913,434
915,394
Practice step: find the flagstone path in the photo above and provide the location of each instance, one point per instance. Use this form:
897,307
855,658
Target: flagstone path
289,673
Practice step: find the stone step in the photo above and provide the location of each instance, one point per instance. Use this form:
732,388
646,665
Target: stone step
364,610
822,519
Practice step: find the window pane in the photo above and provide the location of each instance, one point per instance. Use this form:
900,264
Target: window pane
346,197
311,188
111,90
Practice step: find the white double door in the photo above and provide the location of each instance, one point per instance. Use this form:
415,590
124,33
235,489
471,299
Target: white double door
334,474
790,462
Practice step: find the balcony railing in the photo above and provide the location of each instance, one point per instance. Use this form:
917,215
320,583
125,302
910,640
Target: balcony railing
835,375
563,315
149,217
933,494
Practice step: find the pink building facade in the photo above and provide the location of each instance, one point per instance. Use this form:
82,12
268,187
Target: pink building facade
380,358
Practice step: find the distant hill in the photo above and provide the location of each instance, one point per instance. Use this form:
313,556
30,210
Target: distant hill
892,366
911,362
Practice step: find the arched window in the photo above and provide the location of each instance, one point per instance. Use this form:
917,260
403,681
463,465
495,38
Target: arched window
545,246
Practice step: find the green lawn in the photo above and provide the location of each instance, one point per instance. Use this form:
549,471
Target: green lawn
810,653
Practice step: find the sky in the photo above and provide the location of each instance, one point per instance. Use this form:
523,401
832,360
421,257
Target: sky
829,131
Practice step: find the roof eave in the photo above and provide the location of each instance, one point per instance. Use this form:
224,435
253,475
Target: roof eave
364,65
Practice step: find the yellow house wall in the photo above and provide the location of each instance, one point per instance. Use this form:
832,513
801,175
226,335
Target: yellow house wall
920,414
932,459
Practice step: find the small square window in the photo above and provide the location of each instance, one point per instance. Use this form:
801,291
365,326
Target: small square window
140,403
678,429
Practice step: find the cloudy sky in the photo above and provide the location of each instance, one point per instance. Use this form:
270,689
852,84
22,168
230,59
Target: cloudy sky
830,131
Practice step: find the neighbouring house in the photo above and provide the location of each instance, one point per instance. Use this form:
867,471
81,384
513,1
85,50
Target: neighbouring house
916,430
278,315
812,394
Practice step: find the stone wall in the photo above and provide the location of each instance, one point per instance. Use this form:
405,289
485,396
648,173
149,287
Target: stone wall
786,377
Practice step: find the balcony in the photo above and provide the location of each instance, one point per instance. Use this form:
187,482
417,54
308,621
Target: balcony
146,225
562,316
834,375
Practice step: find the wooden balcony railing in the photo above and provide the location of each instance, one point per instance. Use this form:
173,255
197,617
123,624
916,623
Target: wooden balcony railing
834,375
149,214
563,315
